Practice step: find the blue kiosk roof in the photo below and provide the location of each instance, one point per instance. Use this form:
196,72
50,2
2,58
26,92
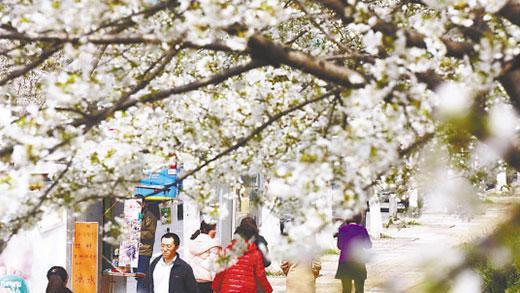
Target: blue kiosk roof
161,185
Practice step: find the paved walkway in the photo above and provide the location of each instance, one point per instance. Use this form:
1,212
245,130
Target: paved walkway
398,258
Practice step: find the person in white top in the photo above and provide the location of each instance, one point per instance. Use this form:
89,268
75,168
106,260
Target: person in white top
161,274
168,273
204,250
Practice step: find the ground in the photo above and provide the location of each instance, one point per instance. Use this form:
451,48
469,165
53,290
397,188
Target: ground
398,257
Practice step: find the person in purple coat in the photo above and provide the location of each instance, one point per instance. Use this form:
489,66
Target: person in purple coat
353,241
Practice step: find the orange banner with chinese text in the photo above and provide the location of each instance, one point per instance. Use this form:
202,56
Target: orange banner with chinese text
85,257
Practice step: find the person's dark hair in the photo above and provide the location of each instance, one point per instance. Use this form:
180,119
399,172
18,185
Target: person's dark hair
204,228
250,222
175,237
247,228
58,278
357,218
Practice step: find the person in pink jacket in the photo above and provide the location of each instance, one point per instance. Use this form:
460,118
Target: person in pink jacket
204,250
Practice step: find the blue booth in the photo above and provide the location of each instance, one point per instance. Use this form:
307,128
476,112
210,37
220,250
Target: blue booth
160,185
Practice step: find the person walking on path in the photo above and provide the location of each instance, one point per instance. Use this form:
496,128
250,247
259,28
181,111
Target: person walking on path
300,271
248,272
58,279
353,241
150,214
301,275
168,273
204,250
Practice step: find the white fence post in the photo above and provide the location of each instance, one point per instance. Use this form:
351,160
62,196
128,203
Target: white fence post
501,180
392,205
376,219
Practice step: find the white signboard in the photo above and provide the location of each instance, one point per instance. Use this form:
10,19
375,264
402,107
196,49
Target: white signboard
129,247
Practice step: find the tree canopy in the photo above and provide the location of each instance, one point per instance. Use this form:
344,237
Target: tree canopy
312,94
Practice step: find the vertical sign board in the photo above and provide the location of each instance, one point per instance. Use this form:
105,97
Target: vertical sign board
129,246
85,257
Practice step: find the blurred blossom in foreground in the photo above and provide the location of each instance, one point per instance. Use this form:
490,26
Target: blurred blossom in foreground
467,282
454,99
445,189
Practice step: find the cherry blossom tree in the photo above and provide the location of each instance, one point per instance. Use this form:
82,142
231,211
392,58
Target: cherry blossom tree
309,93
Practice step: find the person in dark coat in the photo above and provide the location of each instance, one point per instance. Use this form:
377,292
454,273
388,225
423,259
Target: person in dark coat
168,273
58,279
353,241
150,215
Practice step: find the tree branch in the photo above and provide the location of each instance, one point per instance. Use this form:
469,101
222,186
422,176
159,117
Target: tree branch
126,20
21,71
340,9
125,103
77,40
320,28
511,11
149,74
214,79
413,38
7,150
275,54
510,80
430,78
118,40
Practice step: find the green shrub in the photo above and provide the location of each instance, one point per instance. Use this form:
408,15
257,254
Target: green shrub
499,280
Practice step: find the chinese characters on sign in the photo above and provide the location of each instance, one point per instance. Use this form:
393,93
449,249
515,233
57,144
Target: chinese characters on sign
84,257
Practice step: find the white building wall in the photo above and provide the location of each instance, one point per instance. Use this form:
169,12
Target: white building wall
226,222
191,219
31,253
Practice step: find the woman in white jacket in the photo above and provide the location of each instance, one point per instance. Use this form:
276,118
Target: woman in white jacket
204,250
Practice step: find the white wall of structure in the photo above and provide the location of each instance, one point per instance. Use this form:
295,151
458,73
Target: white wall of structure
31,253
190,221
